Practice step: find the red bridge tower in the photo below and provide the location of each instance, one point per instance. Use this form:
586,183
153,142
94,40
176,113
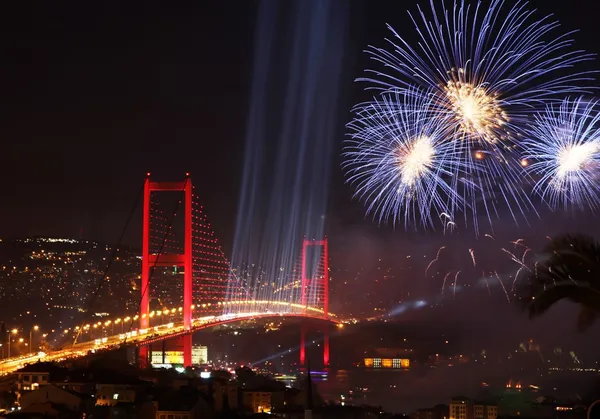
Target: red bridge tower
319,287
151,261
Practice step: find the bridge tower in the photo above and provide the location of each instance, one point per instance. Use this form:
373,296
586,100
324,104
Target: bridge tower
319,287
151,261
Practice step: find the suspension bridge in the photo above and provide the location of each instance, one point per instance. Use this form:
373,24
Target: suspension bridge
181,243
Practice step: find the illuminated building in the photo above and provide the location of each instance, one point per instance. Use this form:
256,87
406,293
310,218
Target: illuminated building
387,363
111,394
27,381
262,401
461,408
51,395
199,356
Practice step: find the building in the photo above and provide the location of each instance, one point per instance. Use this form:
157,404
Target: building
111,394
485,411
31,377
387,363
464,408
199,356
106,387
186,403
53,397
259,401
225,391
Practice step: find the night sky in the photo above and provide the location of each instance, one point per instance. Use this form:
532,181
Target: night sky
95,97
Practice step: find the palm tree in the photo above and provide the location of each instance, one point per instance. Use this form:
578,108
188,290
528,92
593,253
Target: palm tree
570,272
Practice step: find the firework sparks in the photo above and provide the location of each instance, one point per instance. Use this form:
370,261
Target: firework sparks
573,158
401,162
516,278
415,159
518,242
564,149
444,282
486,71
487,283
437,257
455,282
472,253
477,111
502,285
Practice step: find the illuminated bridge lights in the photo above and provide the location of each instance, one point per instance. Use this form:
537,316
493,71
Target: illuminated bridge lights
171,311
144,336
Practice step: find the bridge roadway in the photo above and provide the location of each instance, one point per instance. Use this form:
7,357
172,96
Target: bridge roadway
140,337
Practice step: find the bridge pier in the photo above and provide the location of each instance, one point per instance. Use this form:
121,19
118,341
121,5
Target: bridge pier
326,348
302,344
143,354
319,292
187,350
303,329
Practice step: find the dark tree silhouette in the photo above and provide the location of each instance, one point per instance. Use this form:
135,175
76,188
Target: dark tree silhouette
245,375
571,271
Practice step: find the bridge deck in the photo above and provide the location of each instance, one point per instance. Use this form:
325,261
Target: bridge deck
143,337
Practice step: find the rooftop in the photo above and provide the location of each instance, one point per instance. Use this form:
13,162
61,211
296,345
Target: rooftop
182,400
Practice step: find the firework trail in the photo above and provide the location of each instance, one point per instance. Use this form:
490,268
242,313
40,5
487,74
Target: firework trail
487,283
455,281
513,257
517,277
563,148
400,161
486,70
503,287
437,256
489,236
472,253
518,242
445,279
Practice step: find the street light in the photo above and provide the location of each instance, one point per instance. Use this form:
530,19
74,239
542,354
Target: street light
14,332
43,342
36,328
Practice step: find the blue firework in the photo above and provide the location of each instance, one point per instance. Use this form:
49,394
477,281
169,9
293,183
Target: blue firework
562,150
488,69
400,161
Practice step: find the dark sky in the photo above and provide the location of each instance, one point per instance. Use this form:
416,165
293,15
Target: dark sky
93,97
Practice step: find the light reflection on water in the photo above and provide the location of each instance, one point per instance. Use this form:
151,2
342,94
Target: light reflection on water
406,391
395,391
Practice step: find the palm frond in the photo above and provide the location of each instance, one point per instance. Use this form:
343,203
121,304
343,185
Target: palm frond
571,271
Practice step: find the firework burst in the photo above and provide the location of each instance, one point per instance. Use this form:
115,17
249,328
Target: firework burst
400,161
563,150
487,69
